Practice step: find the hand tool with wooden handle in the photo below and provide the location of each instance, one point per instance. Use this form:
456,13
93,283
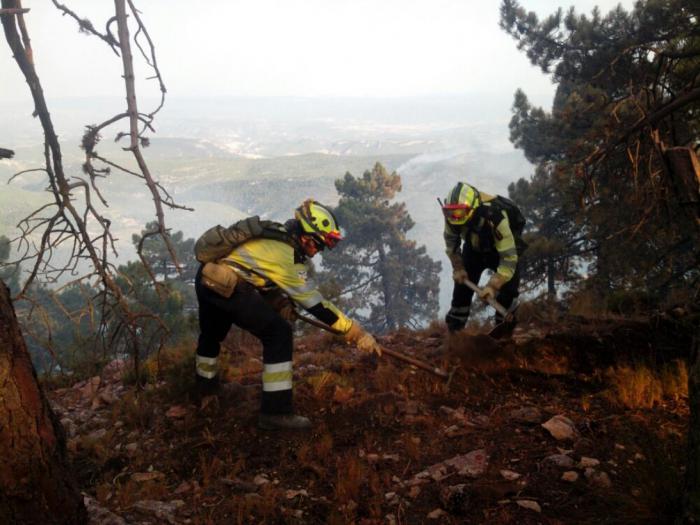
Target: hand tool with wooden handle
393,353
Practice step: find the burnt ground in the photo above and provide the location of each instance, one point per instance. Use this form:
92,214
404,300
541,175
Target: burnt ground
393,444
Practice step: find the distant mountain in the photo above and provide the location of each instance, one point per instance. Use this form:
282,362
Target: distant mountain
231,158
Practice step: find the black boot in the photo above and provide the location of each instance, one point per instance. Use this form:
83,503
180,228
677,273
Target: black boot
456,318
204,387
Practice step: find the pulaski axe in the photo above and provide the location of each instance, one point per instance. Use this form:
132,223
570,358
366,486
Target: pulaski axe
504,327
393,353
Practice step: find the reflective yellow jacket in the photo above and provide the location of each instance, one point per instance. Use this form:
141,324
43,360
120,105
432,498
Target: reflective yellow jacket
487,231
265,263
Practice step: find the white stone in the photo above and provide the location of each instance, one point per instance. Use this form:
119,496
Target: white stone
472,464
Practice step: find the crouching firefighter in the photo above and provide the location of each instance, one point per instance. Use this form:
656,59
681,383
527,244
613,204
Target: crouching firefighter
482,231
245,269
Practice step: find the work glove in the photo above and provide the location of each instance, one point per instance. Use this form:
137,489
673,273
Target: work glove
460,275
362,339
367,343
490,291
282,304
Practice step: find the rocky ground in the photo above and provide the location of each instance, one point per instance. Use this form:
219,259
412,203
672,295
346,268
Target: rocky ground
576,423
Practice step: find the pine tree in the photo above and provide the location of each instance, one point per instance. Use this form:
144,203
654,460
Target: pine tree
620,80
159,259
387,280
627,111
556,246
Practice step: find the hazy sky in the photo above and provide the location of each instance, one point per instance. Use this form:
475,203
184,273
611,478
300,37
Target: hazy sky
375,48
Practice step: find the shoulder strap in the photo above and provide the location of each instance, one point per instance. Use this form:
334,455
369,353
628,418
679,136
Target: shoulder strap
218,242
278,232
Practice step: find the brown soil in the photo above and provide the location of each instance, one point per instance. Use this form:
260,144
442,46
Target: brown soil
379,424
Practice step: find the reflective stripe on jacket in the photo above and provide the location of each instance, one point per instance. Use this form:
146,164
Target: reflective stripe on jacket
269,262
486,232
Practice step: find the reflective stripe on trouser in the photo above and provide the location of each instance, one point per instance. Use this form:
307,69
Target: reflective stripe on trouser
249,310
460,313
277,377
206,366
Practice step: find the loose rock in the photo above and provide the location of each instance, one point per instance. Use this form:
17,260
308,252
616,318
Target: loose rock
560,460
588,462
526,415
176,411
529,504
510,475
601,479
472,464
436,514
570,476
561,427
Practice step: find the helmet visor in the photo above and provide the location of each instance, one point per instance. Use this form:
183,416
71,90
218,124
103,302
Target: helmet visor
332,238
456,212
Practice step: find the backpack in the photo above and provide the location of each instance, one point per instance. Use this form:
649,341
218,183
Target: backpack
217,242
515,216
492,214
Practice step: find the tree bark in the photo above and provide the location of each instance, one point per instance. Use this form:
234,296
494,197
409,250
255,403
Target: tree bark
36,485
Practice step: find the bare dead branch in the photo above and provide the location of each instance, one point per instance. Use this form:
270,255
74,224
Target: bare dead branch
85,26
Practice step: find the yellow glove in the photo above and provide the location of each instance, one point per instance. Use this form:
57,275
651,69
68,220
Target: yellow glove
367,343
362,339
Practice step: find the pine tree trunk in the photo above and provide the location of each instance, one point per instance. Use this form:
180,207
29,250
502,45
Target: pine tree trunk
36,485
388,306
551,289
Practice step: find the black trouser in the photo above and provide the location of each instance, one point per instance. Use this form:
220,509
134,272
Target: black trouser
475,263
250,311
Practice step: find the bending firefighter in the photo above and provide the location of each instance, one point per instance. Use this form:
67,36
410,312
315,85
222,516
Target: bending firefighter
249,270
482,231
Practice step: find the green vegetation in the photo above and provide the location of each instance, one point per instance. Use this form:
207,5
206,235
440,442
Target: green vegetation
604,193
389,281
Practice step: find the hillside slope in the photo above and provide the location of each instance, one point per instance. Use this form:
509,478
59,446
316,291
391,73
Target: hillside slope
575,422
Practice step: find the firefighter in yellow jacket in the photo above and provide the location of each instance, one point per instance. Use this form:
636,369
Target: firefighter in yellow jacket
482,231
268,258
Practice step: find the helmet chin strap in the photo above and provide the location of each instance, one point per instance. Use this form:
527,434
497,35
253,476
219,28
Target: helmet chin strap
308,244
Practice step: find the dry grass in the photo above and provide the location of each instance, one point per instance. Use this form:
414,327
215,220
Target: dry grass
351,475
588,304
639,386
323,384
134,409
